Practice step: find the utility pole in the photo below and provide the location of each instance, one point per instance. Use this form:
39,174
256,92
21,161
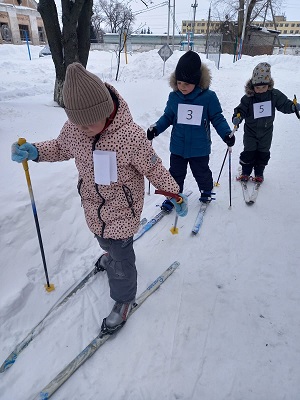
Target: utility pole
173,36
194,6
207,32
243,31
169,15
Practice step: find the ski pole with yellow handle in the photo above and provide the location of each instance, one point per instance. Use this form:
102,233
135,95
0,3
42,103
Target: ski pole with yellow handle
49,286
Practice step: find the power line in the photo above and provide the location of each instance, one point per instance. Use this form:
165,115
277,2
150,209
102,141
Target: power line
151,8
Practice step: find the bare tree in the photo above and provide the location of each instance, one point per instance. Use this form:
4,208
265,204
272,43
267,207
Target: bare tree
235,10
98,19
72,42
118,18
117,15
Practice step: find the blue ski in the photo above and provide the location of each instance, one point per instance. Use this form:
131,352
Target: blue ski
148,225
199,219
153,221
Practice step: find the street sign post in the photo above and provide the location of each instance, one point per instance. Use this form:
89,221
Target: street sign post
165,52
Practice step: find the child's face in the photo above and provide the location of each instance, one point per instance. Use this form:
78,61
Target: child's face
261,89
185,88
93,130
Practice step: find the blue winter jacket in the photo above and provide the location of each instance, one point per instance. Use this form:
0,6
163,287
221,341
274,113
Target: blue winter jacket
193,140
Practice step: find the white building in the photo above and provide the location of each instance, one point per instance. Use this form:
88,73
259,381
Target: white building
19,23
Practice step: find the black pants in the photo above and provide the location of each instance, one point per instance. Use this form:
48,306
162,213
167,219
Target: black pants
254,159
199,167
121,269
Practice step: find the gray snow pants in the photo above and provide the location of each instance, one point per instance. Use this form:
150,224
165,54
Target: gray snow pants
121,269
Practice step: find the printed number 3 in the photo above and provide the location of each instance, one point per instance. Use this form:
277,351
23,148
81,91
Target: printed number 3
190,114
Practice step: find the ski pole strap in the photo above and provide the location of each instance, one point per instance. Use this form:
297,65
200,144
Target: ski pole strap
170,194
296,111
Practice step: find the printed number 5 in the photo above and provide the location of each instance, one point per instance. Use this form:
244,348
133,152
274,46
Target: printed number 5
190,114
261,109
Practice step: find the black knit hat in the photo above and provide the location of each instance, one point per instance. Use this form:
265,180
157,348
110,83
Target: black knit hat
188,68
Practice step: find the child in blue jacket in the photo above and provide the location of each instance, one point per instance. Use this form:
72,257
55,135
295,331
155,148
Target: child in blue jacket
190,109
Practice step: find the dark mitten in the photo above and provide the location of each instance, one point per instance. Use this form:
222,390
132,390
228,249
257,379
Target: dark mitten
229,140
151,132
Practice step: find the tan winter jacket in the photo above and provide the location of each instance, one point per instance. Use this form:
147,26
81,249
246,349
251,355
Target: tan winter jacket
111,211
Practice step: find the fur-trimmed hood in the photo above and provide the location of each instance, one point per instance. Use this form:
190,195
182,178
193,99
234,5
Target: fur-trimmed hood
249,88
205,79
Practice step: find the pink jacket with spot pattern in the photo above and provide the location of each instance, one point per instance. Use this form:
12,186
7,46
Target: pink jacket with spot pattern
111,211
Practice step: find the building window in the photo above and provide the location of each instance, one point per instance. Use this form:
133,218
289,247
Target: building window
286,25
24,32
5,31
297,31
293,25
284,31
41,34
281,25
291,31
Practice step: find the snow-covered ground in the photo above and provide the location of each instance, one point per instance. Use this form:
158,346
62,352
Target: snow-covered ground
225,325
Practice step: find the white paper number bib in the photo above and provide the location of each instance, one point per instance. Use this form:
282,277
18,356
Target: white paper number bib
189,114
105,167
262,109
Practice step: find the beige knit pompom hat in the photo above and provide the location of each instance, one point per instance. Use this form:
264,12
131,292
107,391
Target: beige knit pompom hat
86,98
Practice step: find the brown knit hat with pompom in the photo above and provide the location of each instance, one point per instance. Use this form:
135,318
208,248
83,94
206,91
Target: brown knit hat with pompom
86,98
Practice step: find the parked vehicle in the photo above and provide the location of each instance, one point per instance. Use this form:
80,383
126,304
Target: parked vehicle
45,51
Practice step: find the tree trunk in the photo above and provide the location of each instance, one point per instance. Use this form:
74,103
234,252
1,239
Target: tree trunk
73,43
84,32
250,10
241,17
58,91
48,11
70,12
